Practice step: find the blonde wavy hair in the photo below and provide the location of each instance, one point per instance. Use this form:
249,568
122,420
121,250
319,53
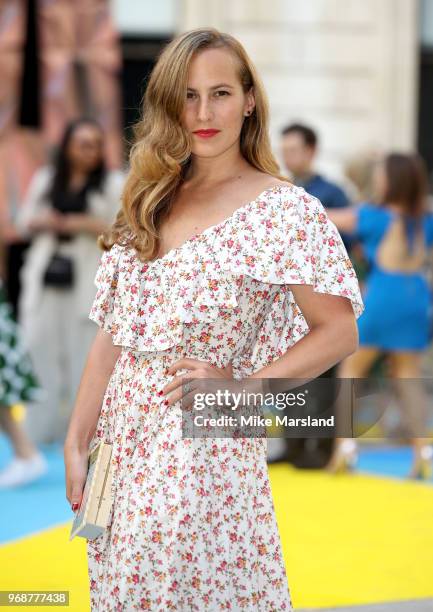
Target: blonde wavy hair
161,153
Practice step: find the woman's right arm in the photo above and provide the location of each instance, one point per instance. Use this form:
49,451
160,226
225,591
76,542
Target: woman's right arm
99,366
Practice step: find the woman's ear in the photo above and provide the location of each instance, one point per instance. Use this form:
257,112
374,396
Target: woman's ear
251,102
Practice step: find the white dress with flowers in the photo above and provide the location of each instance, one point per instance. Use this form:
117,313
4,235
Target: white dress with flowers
193,525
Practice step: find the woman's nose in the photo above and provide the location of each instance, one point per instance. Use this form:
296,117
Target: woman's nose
204,111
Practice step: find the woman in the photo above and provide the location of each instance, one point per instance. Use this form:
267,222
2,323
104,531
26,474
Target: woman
199,279
396,237
67,207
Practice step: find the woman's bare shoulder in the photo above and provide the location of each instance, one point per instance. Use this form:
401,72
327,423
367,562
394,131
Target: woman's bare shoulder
273,180
268,180
261,182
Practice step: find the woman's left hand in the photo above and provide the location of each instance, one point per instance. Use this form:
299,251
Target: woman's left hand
205,378
199,371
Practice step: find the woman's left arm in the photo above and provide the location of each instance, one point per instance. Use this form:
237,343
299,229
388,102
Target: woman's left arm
333,336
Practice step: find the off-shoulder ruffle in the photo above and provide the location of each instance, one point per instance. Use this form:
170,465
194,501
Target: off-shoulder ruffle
143,309
291,240
284,238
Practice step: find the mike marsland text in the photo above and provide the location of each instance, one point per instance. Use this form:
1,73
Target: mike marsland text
260,421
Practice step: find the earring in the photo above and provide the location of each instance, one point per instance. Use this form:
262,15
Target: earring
248,113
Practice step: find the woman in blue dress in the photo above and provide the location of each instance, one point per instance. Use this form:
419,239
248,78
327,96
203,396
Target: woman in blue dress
397,238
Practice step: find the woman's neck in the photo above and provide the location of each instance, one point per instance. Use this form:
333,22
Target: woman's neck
212,171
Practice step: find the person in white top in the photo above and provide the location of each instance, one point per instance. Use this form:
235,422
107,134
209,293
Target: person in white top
67,206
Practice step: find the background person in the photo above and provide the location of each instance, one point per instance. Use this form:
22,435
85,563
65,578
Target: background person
67,206
397,237
299,145
18,384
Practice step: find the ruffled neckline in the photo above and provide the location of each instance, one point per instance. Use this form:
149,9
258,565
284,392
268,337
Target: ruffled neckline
217,226
275,240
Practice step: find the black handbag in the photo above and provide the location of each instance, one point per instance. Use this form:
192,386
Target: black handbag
59,272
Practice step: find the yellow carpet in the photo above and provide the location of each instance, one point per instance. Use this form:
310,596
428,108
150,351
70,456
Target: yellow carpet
346,540
47,561
353,539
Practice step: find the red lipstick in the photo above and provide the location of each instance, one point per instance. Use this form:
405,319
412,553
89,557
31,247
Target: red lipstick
206,133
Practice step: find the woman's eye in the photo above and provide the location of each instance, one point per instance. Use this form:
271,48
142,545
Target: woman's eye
191,95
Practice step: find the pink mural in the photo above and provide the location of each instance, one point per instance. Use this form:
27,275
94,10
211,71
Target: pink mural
79,63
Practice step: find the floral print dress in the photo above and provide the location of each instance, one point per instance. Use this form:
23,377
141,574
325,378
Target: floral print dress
192,525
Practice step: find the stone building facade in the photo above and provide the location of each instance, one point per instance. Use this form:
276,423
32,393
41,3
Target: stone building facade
347,67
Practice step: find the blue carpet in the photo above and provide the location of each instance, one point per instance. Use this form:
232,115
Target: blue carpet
38,505
386,461
43,504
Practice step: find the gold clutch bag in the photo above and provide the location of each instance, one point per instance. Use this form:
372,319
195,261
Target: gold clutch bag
92,516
